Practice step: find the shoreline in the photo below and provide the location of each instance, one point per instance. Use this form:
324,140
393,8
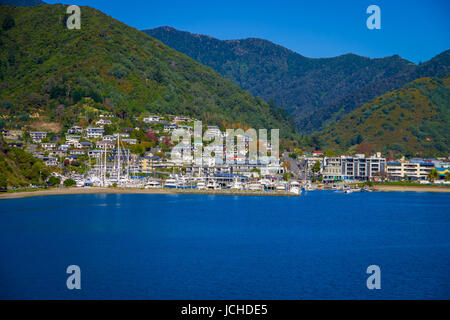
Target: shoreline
101,190
411,188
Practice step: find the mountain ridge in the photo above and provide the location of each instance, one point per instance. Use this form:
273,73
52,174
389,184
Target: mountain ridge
412,120
316,91
48,68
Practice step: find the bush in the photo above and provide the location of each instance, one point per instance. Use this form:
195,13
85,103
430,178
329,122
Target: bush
53,181
69,183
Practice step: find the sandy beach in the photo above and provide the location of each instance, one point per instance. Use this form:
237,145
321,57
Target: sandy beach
99,190
412,188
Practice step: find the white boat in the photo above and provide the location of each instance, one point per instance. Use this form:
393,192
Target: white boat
295,190
281,186
236,185
153,184
255,186
212,185
201,185
170,183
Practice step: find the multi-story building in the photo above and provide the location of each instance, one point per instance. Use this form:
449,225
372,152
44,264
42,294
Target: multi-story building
38,136
12,134
332,169
415,169
94,132
50,161
105,144
356,167
48,145
72,139
75,130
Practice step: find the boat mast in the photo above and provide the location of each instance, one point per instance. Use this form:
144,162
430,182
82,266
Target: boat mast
118,160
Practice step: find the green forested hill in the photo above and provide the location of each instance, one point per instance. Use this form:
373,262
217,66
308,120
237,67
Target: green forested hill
316,92
46,68
19,168
413,120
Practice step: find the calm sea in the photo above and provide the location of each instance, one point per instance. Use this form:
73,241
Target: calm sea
140,246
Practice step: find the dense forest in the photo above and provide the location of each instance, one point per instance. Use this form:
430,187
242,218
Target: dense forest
19,168
411,121
46,68
317,92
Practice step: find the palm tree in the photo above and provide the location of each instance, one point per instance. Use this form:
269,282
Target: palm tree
432,175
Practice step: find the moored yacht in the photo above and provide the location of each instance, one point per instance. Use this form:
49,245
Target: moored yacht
153,184
170,183
212,184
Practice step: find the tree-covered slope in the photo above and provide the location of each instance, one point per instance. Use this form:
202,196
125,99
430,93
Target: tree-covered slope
47,68
316,92
19,168
413,120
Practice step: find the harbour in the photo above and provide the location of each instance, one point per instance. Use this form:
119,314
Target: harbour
189,246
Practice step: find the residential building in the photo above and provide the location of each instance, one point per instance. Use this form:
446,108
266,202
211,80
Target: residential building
48,145
38,136
72,139
75,130
105,144
102,122
356,167
151,119
12,134
413,169
94,132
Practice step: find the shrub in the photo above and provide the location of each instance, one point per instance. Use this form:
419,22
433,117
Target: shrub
69,183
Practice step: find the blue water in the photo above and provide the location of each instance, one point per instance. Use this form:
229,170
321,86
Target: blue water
226,247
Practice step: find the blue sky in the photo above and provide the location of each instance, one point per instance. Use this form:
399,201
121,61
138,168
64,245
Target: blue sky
416,30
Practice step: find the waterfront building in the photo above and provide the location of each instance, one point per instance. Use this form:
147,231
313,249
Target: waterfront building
332,169
414,169
147,162
356,167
